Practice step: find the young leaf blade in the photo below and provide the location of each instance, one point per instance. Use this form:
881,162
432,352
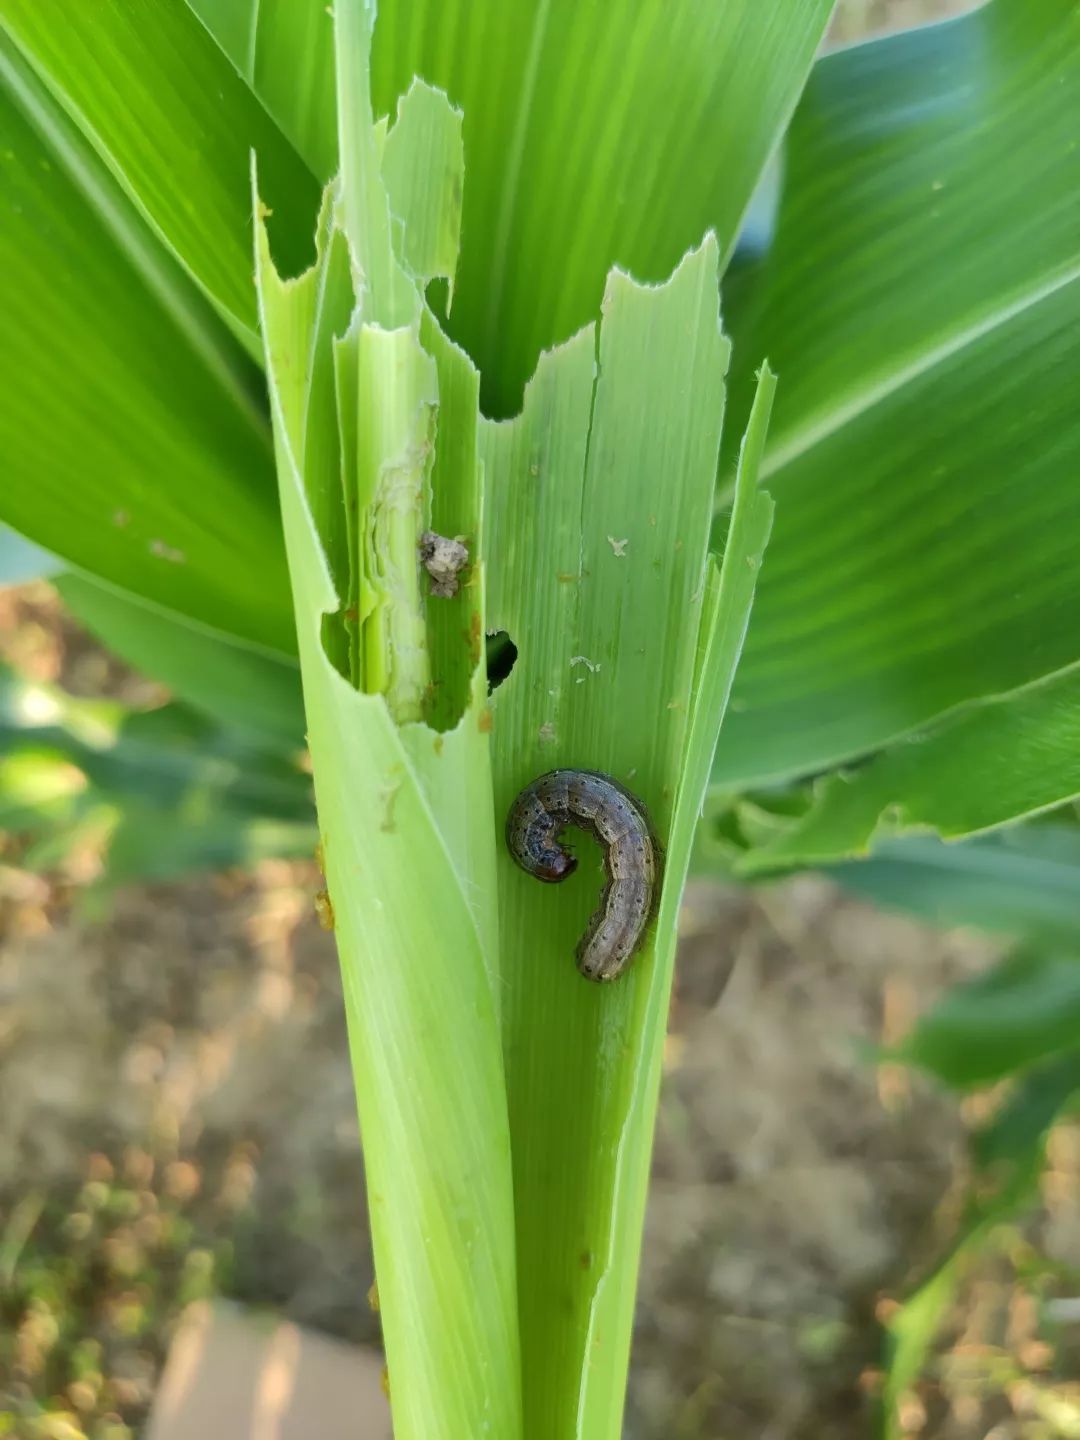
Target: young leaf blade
404,809
602,581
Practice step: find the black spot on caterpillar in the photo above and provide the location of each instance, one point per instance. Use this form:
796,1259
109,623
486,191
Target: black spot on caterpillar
632,858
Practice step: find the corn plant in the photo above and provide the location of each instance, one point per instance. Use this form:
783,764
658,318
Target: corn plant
378,358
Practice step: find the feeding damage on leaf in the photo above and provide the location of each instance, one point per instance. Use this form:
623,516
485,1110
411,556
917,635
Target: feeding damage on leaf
383,416
375,419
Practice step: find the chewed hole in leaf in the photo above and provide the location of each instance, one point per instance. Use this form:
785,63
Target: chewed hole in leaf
502,654
337,645
437,294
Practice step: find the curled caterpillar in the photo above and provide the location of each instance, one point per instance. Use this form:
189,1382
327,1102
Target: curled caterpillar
632,858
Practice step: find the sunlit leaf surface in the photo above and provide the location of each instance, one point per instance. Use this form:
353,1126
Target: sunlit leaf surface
921,305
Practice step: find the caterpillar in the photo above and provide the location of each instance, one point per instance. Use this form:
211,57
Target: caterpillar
632,858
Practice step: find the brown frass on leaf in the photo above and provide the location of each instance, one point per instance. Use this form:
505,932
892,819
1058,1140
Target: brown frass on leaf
443,559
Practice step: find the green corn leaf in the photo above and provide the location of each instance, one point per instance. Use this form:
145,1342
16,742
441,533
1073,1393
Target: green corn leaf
134,442
285,52
162,792
1024,1009
1030,1109
175,124
414,942
142,120
245,688
1024,881
404,808
1028,743
675,110
594,137
202,796
582,561
574,558
921,304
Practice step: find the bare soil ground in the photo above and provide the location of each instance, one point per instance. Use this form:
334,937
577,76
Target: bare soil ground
178,1113
189,1046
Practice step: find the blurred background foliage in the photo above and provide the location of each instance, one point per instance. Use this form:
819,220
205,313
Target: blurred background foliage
889,1224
